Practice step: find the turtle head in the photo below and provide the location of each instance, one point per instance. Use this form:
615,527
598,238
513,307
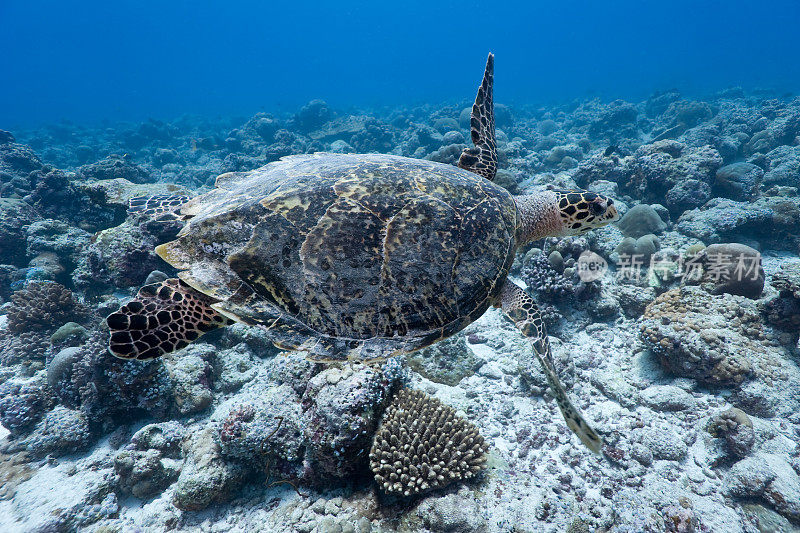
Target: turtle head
562,213
581,211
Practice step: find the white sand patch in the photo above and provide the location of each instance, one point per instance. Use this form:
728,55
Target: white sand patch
53,489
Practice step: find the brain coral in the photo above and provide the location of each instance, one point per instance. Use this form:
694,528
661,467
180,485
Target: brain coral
423,445
715,339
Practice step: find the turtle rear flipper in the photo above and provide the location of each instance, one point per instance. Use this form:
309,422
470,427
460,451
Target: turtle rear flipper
164,317
525,314
482,158
160,206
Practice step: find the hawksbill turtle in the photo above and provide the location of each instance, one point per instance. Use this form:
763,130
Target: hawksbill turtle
355,256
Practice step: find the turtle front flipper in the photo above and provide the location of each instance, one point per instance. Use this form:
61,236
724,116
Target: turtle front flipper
160,206
525,314
162,318
482,158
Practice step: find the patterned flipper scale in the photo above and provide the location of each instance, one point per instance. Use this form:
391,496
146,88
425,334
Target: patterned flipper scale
162,318
160,207
482,158
523,311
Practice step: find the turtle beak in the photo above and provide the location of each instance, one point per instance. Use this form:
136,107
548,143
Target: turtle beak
612,215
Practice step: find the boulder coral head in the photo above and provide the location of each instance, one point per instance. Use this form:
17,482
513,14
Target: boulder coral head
423,445
733,268
715,339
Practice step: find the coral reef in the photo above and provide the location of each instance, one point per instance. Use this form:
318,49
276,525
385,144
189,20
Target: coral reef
560,278
206,477
451,512
787,280
424,445
770,220
344,407
736,428
15,216
782,166
722,341
732,268
109,390
152,460
21,406
641,220
57,196
767,478
14,469
113,167
312,116
783,310
693,334
654,170
692,382
29,348
688,194
641,249
60,432
191,375
738,181
122,256
265,427
17,162
144,473
318,431
42,305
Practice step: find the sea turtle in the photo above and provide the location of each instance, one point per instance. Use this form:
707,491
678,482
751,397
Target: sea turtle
355,255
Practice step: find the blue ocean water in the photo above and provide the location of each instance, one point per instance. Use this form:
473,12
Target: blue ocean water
133,60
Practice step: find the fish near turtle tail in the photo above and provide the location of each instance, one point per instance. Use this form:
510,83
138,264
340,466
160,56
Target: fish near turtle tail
523,311
163,317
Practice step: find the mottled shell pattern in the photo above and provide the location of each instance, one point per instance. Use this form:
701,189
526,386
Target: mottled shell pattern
349,255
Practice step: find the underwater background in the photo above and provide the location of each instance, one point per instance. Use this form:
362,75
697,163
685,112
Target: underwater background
682,350
137,60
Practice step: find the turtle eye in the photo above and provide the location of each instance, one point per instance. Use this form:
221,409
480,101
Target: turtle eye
597,208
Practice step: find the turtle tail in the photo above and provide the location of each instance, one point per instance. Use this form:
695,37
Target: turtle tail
163,317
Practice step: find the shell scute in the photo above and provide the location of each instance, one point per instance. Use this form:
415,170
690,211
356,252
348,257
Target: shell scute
408,254
274,243
342,259
376,192
300,203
